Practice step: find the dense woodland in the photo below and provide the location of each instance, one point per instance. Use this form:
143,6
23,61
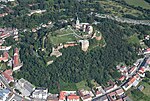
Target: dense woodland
74,65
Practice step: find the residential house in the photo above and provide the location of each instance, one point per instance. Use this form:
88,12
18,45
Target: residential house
119,92
8,75
16,61
40,94
73,97
5,57
85,95
5,48
68,96
98,91
110,88
134,81
146,51
112,96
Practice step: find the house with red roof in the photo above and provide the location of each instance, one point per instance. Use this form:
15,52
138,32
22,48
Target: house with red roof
134,81
112,96
62,96
146,51
85,95
120,92
73,97
8,75
4,58
132,70
122,78
68,96
5,48
110,88
16,61
98,91
4,35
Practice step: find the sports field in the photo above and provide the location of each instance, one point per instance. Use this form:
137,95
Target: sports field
137,3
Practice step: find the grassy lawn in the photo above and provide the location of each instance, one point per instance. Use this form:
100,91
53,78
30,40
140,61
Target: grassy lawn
62,36
63,39
82,85
146,90
68,86
134,39
63,31
137,3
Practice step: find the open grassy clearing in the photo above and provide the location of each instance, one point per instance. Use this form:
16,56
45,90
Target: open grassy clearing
137,3
134,39
68,86
63,31
63,39
82,85
117,9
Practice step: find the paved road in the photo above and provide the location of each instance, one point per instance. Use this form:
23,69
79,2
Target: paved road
124,20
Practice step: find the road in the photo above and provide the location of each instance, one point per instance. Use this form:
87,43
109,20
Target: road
124,20
8,87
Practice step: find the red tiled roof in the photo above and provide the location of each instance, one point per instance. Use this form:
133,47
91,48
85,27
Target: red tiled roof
122,78
112,94
131,80
9,72
16,50
148,49
5,55
132,69
86,97
142,69
73,96
119,91
8,77
98,92
16,60
62,95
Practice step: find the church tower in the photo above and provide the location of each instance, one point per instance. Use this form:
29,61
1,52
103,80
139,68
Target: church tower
77,21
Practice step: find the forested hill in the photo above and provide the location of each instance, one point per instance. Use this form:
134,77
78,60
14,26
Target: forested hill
74,65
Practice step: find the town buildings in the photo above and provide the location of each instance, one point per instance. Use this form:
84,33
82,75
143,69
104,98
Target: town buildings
4,94
25,87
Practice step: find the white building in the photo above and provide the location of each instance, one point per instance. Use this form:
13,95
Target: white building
40,93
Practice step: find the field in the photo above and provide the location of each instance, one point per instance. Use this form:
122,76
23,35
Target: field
68,86
82,85
62,36
137,3
146,91
118,9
